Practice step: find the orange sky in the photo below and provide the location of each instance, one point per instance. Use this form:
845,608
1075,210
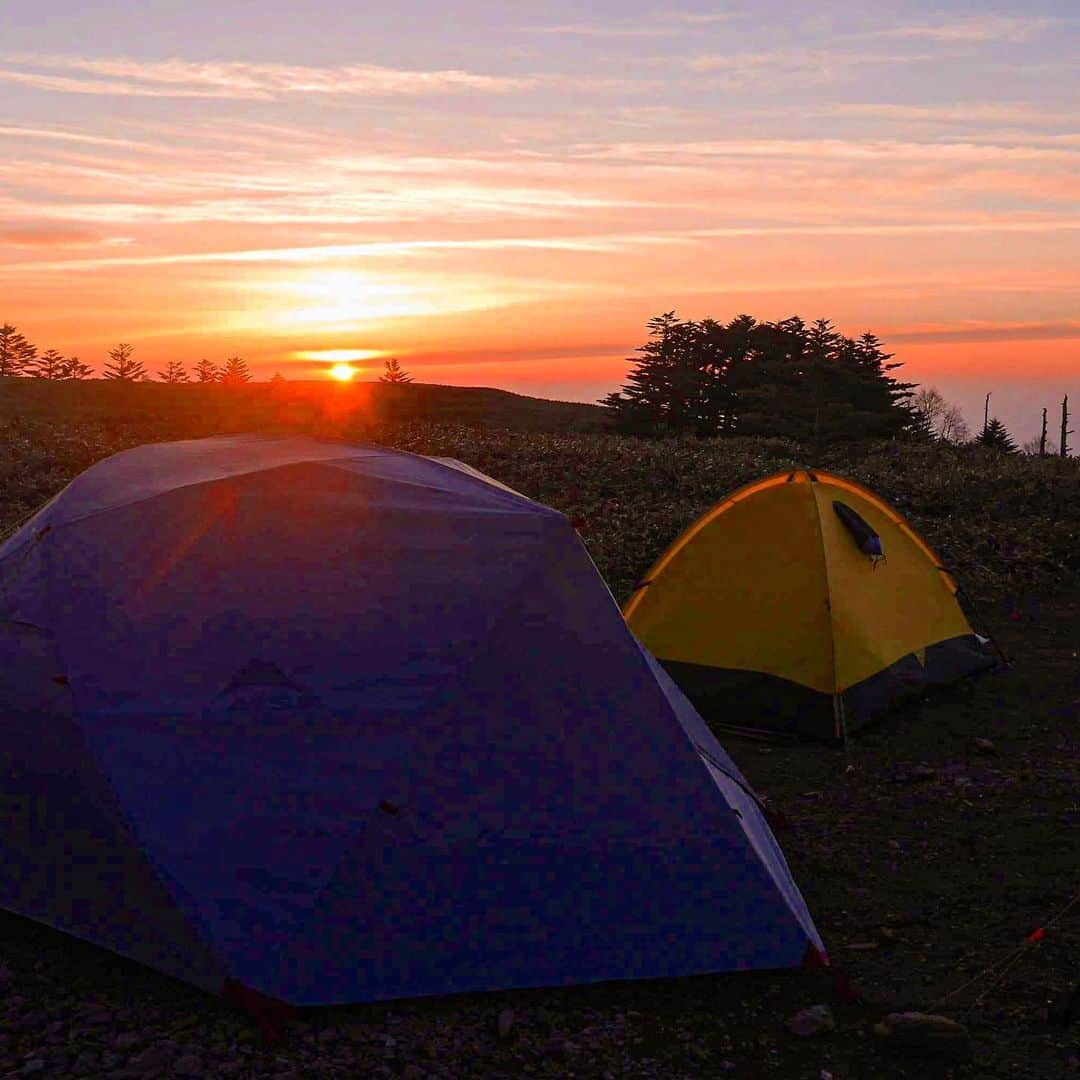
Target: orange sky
508,201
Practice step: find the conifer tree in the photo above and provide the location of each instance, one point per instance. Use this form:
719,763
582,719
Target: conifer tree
74,368
678,383
809,383
393,373
235,372
122,366
174,373
206,371
48,365
16,353
996,437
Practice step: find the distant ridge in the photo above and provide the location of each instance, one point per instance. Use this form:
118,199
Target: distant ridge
190,409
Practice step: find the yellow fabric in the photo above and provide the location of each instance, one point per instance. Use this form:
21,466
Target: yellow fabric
884,612
744,589
771,581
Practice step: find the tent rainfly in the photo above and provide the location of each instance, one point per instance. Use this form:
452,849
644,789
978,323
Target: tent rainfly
334,723
803,604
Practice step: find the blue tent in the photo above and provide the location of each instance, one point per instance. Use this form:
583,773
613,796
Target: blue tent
342,723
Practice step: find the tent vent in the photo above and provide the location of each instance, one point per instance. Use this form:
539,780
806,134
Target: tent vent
862,532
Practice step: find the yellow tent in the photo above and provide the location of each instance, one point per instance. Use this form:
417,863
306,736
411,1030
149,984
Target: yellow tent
803,604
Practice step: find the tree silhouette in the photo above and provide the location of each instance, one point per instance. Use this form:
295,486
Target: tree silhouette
278,377
1066,431
937,416
174,373
809,383
74,368
16,353
392,373
206,371
1039,447
122,367
49,365
235,372
996,437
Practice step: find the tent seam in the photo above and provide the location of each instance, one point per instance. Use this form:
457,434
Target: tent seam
833,691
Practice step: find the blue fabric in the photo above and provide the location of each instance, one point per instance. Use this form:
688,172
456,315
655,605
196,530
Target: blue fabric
357,724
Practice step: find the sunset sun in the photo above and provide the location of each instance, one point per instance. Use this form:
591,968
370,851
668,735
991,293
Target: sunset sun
342,372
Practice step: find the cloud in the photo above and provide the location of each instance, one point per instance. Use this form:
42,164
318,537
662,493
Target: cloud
240,80
46,236
601,30
531,355
667,24
974,112
792,67
602,244
884,151
60,135
703,18
972,28
1037,331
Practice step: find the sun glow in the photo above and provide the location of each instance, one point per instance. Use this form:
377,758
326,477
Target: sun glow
342,372
338,356
345,298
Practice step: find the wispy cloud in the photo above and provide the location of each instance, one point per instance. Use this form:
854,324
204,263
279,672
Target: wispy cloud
240,80
975,112
702,18
1034,331
823,150
16,131
47,236
604,30
786,68
609,244
971,28
664,24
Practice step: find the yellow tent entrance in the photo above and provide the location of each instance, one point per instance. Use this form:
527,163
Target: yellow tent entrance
803,604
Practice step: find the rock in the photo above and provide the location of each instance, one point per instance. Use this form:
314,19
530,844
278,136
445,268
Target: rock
861,946
126,1040
922,772
97,1015
505,1023
924,1035
154,1058
812,1021
85,1064
983,746
189,1065
34,1065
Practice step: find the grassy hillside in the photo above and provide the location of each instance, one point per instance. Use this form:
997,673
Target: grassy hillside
926,853
158,410
1007,525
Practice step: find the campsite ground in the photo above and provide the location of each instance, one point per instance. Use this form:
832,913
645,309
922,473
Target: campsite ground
926,857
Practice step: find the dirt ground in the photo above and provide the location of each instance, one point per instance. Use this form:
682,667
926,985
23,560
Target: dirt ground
925,859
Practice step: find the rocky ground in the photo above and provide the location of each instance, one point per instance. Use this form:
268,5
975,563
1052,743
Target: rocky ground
929,850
